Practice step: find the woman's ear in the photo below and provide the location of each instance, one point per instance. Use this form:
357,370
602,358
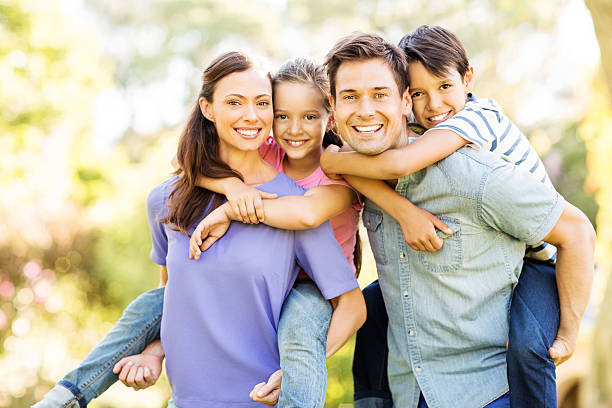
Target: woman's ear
206,109
331,122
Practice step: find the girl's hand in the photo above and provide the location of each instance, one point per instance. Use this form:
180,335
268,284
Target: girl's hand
419,228
209,230
268,393
247,202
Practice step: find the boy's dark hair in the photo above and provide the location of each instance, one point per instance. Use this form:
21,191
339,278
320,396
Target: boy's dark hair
363,46
436,48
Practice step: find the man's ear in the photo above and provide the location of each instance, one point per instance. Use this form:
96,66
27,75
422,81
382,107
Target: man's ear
468,79
206,109
332,102
406,103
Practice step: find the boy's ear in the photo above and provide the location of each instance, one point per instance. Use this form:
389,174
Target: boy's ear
406,103
468,79
331,123
206,109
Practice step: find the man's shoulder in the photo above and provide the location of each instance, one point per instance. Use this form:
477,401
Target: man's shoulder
480,161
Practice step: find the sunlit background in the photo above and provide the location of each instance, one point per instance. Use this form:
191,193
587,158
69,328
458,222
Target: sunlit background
92,98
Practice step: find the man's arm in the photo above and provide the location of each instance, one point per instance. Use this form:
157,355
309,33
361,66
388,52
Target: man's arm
428,149
574,237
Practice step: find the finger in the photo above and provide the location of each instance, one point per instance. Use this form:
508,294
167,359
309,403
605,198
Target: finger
251,213
413,246
139,379
428,246
441,225
125,371
148,376
268,196
119,366
436,242
131,375
253,394
207,243
259,208
236,211
244,214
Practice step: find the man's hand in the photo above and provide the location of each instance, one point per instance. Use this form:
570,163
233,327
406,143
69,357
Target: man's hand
268,393
141,370
561,349
419,227
247,202
209,230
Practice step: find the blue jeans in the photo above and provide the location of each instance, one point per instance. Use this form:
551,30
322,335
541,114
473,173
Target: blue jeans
302,342
534,321
501,402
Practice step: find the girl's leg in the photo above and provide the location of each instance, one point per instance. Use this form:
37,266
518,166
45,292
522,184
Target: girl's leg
534,321
371,352
302,343
138,326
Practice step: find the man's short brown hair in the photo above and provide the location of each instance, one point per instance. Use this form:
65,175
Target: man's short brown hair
363,46
436,48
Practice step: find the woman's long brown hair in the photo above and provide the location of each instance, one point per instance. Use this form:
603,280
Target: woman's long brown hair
198,151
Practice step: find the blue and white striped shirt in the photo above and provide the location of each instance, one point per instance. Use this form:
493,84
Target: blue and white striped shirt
483,124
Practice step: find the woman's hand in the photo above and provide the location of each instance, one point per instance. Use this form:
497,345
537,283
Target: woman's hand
247,202
268,393
209,230
141,370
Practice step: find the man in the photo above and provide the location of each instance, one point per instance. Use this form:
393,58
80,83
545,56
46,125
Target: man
448,310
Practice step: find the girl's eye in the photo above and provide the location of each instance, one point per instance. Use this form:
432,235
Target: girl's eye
416,94
281,116
310,117
446,86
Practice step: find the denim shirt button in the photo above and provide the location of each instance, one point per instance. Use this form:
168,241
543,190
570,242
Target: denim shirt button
411,332
418,369
406,294
402,255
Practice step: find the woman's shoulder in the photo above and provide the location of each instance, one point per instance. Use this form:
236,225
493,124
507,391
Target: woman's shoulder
158,196
282,185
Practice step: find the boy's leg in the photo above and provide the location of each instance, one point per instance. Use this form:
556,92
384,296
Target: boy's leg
302,343
371,352
534,321
138,326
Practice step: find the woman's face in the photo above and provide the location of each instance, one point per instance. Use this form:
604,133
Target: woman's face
300,119
241,111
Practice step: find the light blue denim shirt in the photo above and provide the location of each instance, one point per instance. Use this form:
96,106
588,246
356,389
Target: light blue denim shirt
448,310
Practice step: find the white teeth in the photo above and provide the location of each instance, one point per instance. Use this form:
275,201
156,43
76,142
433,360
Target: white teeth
247,132
370,128
438,117
295,143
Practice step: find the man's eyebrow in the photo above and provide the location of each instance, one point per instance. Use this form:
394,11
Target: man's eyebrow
348,90
381,88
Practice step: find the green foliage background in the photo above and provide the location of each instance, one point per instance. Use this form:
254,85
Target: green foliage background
74,240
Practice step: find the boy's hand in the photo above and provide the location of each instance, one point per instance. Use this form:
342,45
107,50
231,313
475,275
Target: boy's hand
247,202
209,230
329,155
563,347
268,393
141,370
419,228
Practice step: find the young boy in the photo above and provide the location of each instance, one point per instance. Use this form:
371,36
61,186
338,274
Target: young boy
441,81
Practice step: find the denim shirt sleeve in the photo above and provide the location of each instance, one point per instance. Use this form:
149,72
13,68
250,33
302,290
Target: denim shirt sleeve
514,202
155,205
320,255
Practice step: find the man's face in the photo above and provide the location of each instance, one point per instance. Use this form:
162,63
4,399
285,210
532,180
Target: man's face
436,99
369,109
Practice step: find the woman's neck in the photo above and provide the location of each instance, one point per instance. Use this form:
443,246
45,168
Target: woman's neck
298,169
252,167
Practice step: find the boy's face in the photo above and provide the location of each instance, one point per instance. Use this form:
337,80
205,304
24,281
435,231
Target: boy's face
369,109
435,99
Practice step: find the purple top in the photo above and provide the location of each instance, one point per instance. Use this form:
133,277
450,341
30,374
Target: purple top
221,313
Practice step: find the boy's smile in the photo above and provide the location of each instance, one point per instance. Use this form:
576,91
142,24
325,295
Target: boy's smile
436,99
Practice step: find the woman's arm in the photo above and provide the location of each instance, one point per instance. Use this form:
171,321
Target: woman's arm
426,150
348,316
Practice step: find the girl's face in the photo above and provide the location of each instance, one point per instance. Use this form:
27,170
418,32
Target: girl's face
241,110
300,119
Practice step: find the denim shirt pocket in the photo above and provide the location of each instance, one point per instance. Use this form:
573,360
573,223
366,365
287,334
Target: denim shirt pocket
449,258
372,220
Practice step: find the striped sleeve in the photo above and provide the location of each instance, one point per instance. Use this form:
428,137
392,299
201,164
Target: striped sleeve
477,126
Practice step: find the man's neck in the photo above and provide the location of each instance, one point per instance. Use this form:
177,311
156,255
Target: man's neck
404,139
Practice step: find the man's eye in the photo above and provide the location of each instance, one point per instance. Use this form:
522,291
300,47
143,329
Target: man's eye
263,103
348,97
233,102
380,95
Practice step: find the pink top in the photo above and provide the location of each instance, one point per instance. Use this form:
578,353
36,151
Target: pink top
344,225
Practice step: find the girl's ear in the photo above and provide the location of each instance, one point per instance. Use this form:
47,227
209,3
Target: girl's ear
206,109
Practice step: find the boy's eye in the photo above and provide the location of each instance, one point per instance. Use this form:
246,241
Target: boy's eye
310,117
281,116
446,86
